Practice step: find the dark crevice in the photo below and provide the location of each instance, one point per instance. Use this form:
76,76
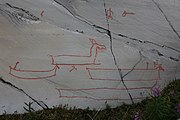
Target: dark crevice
172,48
17,8
59,85
169,22
176,70
82,19
174,59
44,106
59,2
17,15
23,13
11,17
107,31
162,46
141,41
114,57
134,65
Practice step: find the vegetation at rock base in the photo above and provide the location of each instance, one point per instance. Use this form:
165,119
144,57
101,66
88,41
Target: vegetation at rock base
163,105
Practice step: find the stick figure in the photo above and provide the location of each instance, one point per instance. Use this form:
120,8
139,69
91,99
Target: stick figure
109,14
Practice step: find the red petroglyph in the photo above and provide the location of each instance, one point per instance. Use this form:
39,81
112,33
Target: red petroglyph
125,13
76,59
109,13
61,90
37,74
42,13
43,74
157,73
102,88
100,99
159,68
147,68
73,68
147,65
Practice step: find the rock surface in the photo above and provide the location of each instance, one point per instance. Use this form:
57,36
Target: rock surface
86,53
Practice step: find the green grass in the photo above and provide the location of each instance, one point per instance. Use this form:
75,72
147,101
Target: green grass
162,107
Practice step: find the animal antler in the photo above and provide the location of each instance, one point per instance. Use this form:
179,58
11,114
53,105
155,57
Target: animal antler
93,41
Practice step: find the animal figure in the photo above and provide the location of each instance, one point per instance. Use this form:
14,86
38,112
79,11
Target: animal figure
75,60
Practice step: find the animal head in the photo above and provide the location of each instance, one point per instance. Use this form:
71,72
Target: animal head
98,46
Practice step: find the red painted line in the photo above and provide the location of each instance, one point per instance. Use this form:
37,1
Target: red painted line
19,70
89,73
158,68
94,44
33,78
42,13
16,64
54,70
99,99
128,80
71,56
93,41
74,68
77,64
141,69
147,65
125,13
90,89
